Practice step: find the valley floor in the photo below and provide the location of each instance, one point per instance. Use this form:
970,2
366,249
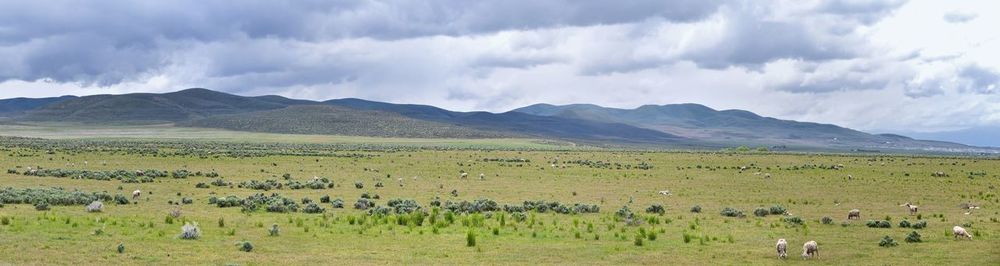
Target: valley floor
809,187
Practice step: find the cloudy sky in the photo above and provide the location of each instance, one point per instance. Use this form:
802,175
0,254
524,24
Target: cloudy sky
924,68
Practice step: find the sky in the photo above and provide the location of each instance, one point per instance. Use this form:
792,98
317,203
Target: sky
923,68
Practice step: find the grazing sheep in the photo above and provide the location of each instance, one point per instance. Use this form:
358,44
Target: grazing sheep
782,247
854,214
664,192
767,175
136,194
913,208
810,249
482,176
960,232
465,175
850,177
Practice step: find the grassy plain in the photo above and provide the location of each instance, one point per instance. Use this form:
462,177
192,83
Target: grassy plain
801,183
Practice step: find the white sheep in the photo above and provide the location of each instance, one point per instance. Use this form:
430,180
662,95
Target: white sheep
482,176
664,192
810,249
913,208
136,194
960,232
782,247
465,175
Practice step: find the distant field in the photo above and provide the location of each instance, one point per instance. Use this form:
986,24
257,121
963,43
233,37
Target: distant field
169,132
807,186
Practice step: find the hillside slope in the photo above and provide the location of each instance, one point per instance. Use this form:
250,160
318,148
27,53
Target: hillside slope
152,108
335,120
700,122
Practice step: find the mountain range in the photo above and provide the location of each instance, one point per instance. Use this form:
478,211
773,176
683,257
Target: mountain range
667,126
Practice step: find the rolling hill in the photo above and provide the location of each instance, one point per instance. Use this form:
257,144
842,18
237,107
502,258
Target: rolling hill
674,125
153,108
17,106
697,121
335,120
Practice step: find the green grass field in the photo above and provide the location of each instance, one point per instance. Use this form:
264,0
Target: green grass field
802,184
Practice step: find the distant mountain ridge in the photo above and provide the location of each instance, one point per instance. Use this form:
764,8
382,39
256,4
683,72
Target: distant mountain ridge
697,121
672,125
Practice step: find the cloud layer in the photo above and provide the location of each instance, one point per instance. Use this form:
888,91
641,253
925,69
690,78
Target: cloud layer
879,66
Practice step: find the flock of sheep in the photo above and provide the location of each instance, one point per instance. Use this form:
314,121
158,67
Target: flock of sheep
811,248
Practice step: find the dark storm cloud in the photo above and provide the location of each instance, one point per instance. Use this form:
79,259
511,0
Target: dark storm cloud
108,42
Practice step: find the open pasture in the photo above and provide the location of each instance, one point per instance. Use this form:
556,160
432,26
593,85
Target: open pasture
181,183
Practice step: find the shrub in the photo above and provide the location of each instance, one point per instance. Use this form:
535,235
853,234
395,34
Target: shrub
42,206
827,220
638,240
696,209
201,185
121,200
400,206
624,213
878,224
760,212
656,208
187,200
5,220
273,231
220,183
730,212
95,206
246,246
470,239
793,220
190,231
324,199
313,208
53,196
121,248
887,242
913,237
359,185
919,224
364,204
337,203
777,209
904,224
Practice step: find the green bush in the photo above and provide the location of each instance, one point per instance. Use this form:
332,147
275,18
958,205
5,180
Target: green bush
777,209
470,239
794,220
121,248
887,242
246,246
731,212
273,231
42,206
313,208
878,224
656,208
190,231
904,224
761,212
913,237
696,209
826,220
919,224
